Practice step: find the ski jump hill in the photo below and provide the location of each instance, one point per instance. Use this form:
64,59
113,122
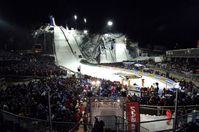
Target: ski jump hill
72,46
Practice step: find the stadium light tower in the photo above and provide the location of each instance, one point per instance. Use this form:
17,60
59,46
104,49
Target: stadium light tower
49,108
75,17
109,24
85,31
85,21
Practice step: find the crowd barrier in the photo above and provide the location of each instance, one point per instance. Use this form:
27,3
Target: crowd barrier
114,123
161,110
12,122
182,122
15,123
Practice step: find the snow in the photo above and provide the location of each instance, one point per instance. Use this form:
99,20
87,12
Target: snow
121,52
155,126
115,48
64,55
70,35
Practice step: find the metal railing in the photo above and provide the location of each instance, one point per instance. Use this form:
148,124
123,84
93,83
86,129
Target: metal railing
15,123
161,110
113,123
162,125
12,122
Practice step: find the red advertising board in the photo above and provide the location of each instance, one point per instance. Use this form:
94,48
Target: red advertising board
197,44
133,115
197,71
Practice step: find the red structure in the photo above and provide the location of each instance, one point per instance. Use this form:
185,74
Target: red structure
133,116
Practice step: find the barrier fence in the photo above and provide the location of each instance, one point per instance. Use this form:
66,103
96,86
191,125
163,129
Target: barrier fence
15,123
161,110
114,123
151,115
182,123
11,122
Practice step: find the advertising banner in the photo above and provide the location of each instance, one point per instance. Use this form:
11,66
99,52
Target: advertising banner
197,46
133,115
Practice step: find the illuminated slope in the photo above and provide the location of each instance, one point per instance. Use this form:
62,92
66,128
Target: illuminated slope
65,57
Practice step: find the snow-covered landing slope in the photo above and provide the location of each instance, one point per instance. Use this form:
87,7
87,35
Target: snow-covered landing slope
71,37
64,55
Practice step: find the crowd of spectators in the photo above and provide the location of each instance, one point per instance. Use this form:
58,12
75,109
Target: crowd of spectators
149,95
31,66
5,55
166,99
183,66
31,99
188,94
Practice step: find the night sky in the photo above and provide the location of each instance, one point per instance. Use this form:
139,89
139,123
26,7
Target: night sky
155,22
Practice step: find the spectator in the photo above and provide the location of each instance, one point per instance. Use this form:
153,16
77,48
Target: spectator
101,126
96,125
169,116
85,122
